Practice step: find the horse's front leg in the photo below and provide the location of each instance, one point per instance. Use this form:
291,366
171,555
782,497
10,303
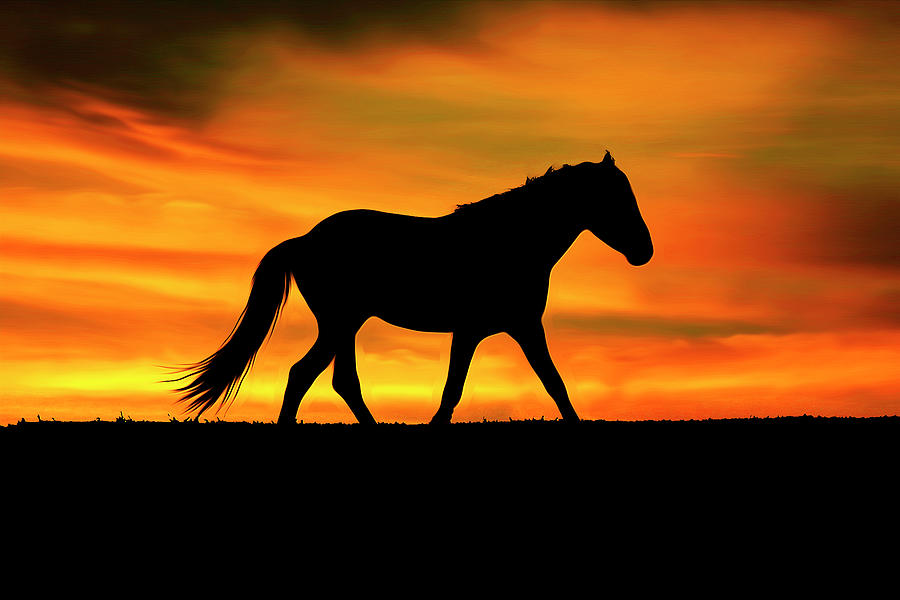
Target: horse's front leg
461,352
534,344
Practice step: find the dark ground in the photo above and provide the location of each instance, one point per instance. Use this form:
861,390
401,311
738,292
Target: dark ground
747,494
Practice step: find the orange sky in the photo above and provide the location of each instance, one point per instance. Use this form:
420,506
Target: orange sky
760,140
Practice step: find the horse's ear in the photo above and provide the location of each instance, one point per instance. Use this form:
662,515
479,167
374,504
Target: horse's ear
550,170
608,159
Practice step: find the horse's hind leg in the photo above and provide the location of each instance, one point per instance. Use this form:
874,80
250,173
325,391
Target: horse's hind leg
346,379
302,376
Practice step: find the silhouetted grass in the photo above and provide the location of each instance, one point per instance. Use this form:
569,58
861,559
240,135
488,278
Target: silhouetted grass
518,442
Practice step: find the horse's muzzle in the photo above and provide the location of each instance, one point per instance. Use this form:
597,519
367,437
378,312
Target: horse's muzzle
640,258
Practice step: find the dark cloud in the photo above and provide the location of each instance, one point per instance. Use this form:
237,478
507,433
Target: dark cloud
857,226
884,308
17,172
61,329
606,324
156,259
851,225
165,56
838,143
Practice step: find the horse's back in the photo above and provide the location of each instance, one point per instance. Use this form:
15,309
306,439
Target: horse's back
362,238
362,225
358,260
424,273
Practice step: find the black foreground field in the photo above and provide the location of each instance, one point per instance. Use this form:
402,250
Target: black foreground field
709,484
779,445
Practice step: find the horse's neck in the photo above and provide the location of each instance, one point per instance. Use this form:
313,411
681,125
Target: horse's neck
537,227
545,235
558,242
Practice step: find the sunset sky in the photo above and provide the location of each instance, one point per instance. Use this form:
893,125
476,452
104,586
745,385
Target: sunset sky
151,153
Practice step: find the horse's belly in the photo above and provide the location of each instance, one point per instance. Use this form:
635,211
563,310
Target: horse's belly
417,308
442,309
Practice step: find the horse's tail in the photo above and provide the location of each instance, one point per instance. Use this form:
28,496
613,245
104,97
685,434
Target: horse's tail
219,376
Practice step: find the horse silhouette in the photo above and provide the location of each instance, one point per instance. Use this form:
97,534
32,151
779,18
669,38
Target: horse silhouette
480,270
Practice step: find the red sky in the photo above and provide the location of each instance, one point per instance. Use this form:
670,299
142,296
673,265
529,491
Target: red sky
141,186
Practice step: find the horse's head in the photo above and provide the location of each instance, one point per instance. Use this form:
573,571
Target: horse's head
612,212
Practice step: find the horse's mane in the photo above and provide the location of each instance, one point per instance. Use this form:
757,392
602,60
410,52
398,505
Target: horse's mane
500,201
